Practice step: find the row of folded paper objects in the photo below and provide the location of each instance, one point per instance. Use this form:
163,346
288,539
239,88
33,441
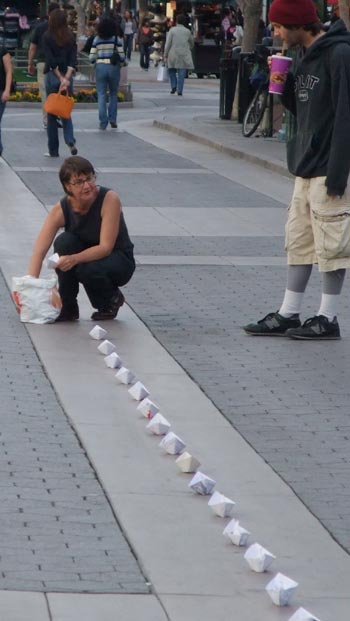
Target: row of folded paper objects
281,587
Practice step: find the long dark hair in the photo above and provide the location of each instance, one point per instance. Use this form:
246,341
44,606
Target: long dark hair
58,28
107,28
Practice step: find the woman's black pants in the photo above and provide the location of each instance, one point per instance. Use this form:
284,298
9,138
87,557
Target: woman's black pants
99,278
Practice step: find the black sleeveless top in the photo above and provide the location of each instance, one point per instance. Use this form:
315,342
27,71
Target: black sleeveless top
88,226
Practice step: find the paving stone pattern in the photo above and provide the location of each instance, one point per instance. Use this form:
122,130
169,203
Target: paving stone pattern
209,246
58,532
159,190
290,400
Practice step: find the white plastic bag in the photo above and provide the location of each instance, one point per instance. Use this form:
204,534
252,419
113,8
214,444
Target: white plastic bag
37,299
163,74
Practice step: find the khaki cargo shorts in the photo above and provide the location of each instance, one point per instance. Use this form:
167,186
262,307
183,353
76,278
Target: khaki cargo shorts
318,227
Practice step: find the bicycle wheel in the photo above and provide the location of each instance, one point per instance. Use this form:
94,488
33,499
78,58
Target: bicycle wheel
255,112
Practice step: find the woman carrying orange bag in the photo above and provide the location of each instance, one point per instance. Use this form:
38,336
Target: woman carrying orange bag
60,60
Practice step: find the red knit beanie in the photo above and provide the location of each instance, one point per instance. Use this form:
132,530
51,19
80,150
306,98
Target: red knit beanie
293,12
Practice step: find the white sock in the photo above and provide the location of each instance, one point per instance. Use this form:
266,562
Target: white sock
291,303
329,304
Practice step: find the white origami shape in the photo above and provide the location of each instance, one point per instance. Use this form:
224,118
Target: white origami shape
147,408
303,615
138,391
202,484
172,444
52,261
98,333
236,533
113,361
187,463
158,425
281,589
125,376
106,348
258,558
221,505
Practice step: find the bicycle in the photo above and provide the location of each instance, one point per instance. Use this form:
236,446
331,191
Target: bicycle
262,100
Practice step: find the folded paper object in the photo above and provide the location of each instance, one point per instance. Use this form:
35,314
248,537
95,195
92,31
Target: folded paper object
187,463
202,484
221,505
281,589
98,333
147,408
106,348
158,425
113,361
125,376
258,558
236,533
52,261
303,615
172,444
138,391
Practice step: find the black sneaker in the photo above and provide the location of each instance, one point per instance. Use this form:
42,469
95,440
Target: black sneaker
111,310
317,328
68,313
273,325
72,147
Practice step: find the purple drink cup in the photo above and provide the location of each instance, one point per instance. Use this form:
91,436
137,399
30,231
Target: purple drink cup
278,72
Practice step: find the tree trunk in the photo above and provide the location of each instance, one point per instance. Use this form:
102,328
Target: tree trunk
252,15
344,12
82,8
143,9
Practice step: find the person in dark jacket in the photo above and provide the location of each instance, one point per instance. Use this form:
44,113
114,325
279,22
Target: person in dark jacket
145,41
60,52
94,249
318,226
36,49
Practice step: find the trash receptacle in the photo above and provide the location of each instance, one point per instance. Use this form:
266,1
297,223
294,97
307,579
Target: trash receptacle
246,90
228,80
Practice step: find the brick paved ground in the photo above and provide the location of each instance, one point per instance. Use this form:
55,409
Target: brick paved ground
288,399
58,532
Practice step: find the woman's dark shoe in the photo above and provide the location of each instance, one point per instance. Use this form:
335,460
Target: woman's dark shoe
68,313
173,90
111,310
113,125
73,148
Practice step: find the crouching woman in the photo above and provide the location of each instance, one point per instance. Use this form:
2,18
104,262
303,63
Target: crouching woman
94,249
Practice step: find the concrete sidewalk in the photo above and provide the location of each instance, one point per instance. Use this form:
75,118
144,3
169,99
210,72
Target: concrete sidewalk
186,571
226,137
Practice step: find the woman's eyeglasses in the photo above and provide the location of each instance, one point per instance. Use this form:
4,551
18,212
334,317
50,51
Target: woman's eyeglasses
81,181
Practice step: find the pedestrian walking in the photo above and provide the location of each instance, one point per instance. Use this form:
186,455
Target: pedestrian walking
5,83
128,26
60,53
145,41
105,54
318,225
178,54
36,50
94,249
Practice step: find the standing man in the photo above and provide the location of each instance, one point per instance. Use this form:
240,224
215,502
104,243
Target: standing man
36,50
318,225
